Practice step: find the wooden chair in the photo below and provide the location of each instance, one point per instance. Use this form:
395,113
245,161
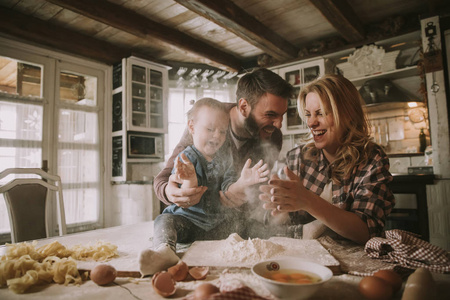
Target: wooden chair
28,203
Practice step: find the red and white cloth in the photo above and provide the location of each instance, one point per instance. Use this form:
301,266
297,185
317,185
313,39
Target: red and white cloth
241,293
406,249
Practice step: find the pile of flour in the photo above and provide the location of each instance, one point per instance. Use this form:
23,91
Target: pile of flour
250,251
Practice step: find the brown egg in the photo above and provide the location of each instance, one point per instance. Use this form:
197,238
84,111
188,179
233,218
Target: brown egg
199,273
374,288
179,271
204,290
164,284
103,274
390,277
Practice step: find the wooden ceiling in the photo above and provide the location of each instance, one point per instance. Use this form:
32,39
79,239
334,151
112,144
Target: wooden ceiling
229,34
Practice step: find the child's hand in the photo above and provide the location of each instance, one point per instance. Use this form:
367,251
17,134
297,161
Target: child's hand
185,171
235,196
257,174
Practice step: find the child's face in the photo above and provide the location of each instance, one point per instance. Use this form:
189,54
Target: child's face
209,130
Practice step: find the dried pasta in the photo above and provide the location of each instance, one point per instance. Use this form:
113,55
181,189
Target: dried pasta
24,265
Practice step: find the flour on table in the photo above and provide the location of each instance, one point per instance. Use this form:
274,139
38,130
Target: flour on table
236,249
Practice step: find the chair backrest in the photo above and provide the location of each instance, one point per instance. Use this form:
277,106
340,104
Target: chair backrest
28,200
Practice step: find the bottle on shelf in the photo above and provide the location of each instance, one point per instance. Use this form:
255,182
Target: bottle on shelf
422,141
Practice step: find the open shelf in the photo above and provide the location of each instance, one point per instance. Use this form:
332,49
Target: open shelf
394,74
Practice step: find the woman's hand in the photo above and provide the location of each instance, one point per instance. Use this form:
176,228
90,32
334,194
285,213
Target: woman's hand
283,195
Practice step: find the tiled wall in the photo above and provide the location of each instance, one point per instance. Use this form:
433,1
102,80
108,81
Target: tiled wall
133,203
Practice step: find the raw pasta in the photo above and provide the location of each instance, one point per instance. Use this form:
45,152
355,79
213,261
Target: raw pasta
24,266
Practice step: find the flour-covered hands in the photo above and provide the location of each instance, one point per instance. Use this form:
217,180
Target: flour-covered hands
183,197
236,195
184,168
256,174
283,195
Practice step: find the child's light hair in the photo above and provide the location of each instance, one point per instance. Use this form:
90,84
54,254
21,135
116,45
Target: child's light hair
208,102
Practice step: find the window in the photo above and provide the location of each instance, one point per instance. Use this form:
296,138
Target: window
78,146
51,109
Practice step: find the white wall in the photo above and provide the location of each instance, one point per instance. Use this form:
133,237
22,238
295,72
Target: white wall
438,195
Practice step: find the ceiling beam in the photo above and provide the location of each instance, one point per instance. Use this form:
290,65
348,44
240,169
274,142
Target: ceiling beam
129,21
38,31
229,16
343,18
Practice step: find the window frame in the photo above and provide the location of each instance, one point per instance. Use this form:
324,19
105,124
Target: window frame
51,62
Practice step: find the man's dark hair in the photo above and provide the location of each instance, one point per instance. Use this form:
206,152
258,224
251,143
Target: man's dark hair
252,86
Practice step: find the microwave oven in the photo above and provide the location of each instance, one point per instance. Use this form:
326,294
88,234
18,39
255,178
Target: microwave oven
145,146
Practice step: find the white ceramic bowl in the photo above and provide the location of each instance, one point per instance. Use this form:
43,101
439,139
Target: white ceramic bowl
291,290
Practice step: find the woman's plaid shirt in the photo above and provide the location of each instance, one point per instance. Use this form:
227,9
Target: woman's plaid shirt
366,192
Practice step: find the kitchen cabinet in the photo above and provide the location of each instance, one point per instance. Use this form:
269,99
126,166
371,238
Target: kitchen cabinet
146,94
139,113
299,74
410,213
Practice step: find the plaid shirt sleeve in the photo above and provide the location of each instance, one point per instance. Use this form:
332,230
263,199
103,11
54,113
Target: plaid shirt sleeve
365,193
370,197
293,162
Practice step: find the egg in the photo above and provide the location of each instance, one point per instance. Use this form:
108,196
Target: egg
374,288
179,271
204,290
420,285
390,277
199,273
164,284
103,274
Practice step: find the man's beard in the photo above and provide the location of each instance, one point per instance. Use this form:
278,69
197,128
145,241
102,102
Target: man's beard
251,126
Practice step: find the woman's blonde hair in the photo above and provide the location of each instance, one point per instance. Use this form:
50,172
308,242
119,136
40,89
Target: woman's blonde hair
339,97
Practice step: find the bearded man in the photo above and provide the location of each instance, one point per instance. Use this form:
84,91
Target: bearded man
254,132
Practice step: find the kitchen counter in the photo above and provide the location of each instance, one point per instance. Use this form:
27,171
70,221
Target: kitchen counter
413,178
131,238
404,154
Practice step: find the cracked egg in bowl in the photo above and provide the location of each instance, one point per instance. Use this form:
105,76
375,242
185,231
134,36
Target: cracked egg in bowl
291,278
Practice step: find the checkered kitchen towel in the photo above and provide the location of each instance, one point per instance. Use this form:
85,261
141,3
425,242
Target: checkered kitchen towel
406,249
241,293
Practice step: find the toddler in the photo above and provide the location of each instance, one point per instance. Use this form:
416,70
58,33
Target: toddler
204,163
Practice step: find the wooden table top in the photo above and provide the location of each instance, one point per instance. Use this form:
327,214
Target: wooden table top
130,239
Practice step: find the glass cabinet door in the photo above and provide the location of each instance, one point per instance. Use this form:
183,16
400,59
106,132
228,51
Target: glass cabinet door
156,99
138,96
147,98
298,76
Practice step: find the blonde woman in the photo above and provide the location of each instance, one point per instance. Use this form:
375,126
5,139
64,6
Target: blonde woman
341,177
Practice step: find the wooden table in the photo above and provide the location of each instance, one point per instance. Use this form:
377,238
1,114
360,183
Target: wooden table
130,239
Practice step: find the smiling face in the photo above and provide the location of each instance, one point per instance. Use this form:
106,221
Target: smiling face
209,130
323,129
266,116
